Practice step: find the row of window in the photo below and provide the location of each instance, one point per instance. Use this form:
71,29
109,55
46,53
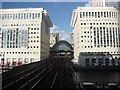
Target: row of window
34,41
19,16
19,52
5,25
99,24
94,52
98,14
98,19
86,36
34,28
99,46
33,47
16,46
18,61
34,33
100,62
34,37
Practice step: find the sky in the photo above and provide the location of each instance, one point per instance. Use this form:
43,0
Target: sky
45,0
60,14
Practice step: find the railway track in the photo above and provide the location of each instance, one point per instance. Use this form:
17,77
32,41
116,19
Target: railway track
53,74
17,80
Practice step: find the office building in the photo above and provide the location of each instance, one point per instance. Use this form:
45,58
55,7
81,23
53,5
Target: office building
96,35
24,35
54,38
107,3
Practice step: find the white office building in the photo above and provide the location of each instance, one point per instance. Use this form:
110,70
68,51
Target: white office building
24,35
96,35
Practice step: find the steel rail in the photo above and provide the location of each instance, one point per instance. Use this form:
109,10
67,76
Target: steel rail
77,81
55,77
36,76
28,74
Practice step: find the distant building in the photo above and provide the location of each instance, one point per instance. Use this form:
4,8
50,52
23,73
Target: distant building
24,35
96,35
107,3
54,38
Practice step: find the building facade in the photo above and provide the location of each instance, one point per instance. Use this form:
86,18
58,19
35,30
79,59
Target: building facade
96,35
24,35
107,3
54,38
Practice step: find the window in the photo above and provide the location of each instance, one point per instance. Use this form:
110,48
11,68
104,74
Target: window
93,61
26,60
113,62
33,16
107,14
86,14
89,14
37,36
104,14
24,15
110,14
100,61
95,14
92,14
38,15
87,62
98,14
101,14
83,14
80,14
107,61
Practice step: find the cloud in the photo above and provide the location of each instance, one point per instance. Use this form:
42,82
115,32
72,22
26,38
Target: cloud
63,35
54,27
